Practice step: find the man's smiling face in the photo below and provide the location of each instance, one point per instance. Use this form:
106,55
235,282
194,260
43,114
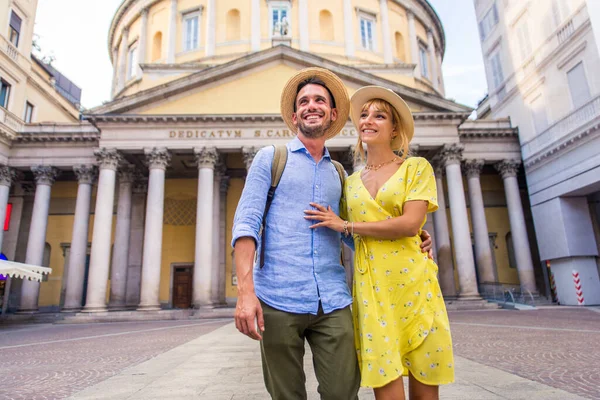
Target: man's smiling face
314,114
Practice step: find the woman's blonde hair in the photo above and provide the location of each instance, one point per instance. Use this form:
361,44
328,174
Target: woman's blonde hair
401,141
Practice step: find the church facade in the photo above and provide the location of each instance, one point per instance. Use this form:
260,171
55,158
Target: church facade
139,197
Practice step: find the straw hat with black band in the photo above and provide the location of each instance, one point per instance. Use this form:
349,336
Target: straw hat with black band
336,88
364,94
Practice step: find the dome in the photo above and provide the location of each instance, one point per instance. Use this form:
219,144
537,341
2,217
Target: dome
152,42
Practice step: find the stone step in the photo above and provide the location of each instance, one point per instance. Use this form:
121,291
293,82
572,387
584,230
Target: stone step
470,304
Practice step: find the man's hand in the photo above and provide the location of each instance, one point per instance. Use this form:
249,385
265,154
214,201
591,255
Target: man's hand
427,243
249,314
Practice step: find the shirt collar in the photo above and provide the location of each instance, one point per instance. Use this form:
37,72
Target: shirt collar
296,144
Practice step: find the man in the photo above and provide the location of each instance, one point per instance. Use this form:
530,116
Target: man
300,291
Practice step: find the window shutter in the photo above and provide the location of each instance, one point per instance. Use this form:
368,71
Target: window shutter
15,22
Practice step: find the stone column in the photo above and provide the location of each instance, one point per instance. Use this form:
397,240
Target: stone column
432,59
211,27
216,291
116,69
483,251
441,87
508,169
158,160
7,176
349,28
255,25
414,44
223,188
303,24
136,241
108,160
442,238
386,35
44,178
123,59
463,253
206,157
120,259
172,33
143,42
86,174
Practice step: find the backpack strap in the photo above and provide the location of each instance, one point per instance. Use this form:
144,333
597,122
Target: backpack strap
341,172
277,166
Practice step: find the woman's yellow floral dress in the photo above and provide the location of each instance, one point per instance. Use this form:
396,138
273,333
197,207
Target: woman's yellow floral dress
400,319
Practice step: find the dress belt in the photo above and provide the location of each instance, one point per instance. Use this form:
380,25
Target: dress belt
362,255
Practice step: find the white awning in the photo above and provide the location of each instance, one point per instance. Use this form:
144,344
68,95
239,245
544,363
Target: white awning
24,271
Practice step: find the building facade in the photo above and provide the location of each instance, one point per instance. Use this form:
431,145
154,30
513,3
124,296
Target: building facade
545,79
141,214
31,93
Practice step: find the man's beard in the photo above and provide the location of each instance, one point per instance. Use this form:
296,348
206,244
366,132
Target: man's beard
313,131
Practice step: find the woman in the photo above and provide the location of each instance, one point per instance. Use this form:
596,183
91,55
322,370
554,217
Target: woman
400,320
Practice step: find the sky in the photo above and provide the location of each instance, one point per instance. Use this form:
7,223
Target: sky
77,40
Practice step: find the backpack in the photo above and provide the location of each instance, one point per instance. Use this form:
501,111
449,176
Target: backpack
277,166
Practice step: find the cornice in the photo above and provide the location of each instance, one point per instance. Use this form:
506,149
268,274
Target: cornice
222,118
488,133
58,133
559,147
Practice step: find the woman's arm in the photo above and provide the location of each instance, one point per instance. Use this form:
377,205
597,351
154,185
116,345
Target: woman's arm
406,225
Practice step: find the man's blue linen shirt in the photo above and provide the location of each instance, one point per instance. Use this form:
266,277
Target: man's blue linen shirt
302,265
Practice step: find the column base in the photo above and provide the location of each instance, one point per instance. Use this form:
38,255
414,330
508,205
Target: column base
469,297
148,308
70,310
98,309
27,311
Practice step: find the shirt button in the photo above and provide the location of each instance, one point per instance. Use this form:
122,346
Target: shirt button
317,186
315,252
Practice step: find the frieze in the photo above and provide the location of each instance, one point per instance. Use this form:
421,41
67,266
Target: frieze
240,133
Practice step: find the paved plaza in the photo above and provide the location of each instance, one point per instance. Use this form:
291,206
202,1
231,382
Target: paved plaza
541,354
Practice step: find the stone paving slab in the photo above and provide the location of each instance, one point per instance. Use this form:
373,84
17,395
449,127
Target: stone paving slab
225,365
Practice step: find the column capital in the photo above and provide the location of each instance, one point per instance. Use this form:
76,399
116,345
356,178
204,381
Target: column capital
140,184
248,154
108,158
410,14
145,11
7,175
508,168
206,157
452,154
127,173
44,174
86,174
473,168
438,166
157,158
220,167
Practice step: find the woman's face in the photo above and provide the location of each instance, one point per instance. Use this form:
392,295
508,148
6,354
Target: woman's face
376,127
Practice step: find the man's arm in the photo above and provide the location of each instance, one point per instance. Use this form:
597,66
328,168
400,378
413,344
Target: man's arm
248,312
246,228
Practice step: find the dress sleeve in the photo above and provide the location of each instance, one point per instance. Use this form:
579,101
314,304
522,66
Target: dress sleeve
420,183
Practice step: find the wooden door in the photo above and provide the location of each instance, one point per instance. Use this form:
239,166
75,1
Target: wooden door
182,287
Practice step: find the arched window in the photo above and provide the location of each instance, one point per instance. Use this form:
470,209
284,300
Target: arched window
157,46
326,26
233,25
400,47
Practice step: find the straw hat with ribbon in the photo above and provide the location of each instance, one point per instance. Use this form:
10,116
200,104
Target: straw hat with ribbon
335,86
364,94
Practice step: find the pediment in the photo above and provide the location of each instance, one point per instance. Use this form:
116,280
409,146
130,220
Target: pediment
252,85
